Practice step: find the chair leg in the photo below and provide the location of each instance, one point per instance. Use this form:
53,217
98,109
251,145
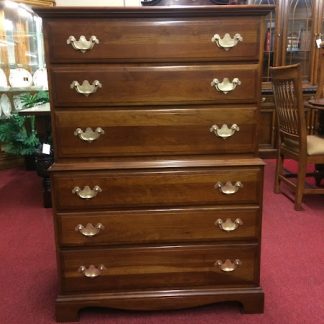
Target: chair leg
300,185
279,170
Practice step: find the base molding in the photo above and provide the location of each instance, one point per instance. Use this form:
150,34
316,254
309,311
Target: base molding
68,306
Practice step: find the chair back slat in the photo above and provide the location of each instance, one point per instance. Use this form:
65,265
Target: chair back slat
287,90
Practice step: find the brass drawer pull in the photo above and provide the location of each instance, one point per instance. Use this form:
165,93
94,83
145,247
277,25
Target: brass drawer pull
228,225
228,188
228,265
89,135
82,44
227,42
89,230
86,88
226,85
86,192
224,131
92,271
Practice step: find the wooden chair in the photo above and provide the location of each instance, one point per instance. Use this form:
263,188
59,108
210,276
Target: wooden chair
293,141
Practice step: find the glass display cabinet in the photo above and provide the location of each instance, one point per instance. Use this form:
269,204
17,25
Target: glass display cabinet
297,44
21,55
271,39
22,65
291,36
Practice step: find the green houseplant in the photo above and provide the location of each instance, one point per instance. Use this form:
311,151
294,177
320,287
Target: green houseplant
18,135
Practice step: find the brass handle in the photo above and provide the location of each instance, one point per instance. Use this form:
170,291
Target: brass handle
224,131
228,265
228,225
227,42
228,188
89,135
86,88
82,44
89,230
86,192
226,85
92,271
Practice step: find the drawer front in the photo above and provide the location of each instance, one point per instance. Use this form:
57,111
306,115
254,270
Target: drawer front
153,85
159,267
161,187
134,132
158,226
175,39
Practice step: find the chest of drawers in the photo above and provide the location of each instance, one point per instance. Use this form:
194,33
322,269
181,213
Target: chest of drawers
157,188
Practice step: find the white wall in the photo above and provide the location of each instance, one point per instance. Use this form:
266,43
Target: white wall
97,3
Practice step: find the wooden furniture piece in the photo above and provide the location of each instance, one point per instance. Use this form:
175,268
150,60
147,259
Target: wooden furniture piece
157,184
320,88
294,143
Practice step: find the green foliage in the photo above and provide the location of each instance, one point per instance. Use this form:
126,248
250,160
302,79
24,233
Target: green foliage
18,135
31,100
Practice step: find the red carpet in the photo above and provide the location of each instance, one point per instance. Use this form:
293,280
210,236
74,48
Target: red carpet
292,271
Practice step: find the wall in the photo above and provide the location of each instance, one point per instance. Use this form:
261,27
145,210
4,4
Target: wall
102,3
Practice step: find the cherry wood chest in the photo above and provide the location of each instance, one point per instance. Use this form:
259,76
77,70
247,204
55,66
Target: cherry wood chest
157,187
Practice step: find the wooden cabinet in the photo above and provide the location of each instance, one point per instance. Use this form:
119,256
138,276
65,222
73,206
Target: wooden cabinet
157,187
291,33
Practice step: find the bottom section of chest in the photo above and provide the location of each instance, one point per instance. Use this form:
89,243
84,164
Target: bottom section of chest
158,235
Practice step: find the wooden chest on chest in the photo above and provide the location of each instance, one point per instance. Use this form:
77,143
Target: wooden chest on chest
157,188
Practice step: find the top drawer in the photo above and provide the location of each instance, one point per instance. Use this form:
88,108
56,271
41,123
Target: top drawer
151,40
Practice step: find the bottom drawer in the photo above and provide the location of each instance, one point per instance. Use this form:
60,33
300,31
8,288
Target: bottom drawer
159,267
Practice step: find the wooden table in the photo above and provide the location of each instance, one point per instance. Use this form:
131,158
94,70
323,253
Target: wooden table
43,161
42,115
318,104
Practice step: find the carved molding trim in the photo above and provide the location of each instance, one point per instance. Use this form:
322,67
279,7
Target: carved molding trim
182,2
38,3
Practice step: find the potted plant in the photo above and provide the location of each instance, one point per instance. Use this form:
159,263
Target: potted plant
18,136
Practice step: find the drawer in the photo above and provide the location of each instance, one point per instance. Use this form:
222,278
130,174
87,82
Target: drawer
158,226
159,267
153,85
267,100
134,132
81,190
170,39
